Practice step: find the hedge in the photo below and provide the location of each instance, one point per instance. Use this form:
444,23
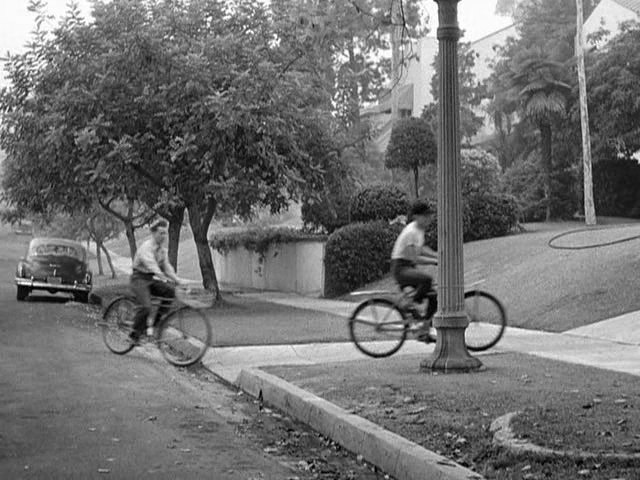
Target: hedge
259,239
378,202
357,254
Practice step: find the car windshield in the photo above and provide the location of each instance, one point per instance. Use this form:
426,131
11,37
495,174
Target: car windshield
55,249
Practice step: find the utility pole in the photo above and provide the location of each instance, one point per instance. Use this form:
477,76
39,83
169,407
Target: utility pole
589,208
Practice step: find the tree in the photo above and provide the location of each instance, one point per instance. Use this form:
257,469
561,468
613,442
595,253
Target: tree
411,146
532,85
613,75
195,102
342,44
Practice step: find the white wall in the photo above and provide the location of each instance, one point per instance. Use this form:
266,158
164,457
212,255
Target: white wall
608,15
289,267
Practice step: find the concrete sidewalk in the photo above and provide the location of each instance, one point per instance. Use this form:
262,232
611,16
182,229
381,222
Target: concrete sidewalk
612,344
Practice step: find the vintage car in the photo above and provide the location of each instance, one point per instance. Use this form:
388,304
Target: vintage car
55,265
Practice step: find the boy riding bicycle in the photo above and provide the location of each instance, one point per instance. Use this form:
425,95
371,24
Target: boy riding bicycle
409,251
152,275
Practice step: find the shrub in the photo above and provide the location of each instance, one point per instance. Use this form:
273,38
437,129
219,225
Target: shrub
484,215
488,215
480,171
524,181
615,187
259,239
378,202
357,254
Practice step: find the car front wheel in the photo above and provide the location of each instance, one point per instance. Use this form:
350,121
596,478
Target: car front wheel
23,293
82,297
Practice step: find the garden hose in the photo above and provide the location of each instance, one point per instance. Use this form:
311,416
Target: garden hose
595,245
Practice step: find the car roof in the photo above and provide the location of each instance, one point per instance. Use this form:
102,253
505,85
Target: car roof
56,241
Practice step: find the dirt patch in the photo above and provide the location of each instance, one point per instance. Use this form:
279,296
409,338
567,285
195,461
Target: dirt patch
306,452
451,414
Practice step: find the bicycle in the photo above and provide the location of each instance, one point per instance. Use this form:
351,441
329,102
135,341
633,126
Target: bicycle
182,333
379,326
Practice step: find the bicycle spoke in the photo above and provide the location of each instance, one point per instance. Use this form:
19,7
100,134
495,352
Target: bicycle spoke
377,328
117,323
184,336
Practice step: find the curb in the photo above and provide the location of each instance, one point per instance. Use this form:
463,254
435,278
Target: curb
395,455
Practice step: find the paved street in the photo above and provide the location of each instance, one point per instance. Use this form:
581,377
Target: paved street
71,409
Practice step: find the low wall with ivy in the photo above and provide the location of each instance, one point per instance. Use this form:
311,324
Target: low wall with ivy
281,260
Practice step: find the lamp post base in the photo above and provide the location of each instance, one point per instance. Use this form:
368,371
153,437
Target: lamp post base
451,354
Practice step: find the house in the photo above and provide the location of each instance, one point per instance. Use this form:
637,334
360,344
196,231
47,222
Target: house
609,14
415,83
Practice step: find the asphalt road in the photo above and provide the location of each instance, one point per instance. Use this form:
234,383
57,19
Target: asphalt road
71,409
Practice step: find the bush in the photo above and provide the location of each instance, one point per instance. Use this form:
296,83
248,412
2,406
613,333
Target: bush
378,202
357,254
488,215
480,171
484,215
259,239
615,187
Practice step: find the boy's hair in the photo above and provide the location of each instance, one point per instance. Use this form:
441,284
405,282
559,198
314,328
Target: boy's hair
159,224
420,207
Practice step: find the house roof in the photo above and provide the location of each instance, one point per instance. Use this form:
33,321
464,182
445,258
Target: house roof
633,5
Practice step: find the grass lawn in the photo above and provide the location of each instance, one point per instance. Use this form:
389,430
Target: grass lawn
565,406
555,290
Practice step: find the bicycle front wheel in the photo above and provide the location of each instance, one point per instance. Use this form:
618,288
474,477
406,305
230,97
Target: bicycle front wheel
117,324
378,328
184,336
487,320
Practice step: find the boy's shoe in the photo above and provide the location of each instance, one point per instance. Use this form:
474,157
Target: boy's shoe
134,338
424,336
423,333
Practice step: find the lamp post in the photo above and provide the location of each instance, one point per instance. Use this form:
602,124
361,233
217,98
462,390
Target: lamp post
451,353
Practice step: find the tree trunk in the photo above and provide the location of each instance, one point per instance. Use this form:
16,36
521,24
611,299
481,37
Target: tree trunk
109,261
175,217
547,165
199,220
99,259
131,237
416,178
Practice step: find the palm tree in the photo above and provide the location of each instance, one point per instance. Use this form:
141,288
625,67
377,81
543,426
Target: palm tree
537,83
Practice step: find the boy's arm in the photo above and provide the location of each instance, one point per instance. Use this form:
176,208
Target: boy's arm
429,253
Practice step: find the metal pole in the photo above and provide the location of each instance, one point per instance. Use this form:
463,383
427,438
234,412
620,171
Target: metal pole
451,353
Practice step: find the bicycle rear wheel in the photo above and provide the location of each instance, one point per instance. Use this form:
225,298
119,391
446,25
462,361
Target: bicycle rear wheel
487,320
184,336
378,328
117,324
